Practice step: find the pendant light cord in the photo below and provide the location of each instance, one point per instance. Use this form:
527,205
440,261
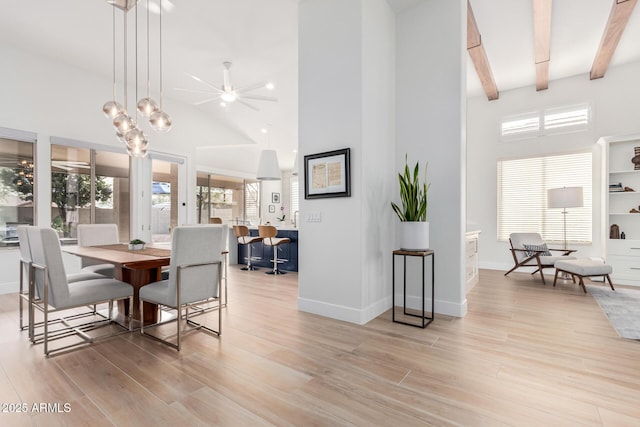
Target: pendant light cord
113,45
136,51
126,87
148,67
160,38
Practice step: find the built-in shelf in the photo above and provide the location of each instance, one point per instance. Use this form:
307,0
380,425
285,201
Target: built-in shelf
622,254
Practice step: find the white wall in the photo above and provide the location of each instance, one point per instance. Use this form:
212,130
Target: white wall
616,103
431,106
343,259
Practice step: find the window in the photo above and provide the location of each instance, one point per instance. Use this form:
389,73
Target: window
235,200
164,199
16,188
295,201
252,202
572,118
522,196
88,186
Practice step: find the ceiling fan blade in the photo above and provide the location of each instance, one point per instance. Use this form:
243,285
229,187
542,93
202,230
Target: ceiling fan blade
246,104
204,101
260,97
248,88
198,90
198,79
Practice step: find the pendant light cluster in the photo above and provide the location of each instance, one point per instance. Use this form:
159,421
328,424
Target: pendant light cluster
126,126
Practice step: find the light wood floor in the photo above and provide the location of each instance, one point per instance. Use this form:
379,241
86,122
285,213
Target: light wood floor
526,354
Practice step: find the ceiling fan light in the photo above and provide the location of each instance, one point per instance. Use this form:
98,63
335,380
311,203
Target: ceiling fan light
147,106
160,121
228,96
268,167
111,109
123,123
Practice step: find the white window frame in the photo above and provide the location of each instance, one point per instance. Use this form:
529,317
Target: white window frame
549,121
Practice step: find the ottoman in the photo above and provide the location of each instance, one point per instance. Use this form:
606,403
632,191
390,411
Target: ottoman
583,268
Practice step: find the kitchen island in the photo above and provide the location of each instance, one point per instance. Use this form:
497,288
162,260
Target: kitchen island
263,255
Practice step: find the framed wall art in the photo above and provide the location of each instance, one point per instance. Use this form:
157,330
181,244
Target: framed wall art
327,174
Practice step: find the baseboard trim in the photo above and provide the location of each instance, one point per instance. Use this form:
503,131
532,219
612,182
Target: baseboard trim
362,316
8,288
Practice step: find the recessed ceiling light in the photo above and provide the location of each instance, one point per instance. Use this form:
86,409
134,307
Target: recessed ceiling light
264,130
270,86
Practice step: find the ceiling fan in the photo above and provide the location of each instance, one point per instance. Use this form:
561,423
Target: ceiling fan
228,93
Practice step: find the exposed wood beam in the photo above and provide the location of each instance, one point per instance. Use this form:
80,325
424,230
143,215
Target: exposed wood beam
479,56
542,41
618,19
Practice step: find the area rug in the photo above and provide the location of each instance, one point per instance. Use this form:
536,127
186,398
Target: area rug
622,307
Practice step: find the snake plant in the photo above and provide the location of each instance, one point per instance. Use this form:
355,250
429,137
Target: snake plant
413,195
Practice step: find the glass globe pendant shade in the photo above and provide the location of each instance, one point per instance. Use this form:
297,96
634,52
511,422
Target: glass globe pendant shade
120,137
111,109
147,106
160,121
136,139
123,123
136,152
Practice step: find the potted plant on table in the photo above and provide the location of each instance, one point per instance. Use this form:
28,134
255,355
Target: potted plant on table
136,245
414,227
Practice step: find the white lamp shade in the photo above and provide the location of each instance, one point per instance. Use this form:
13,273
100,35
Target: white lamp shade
565,197
268,167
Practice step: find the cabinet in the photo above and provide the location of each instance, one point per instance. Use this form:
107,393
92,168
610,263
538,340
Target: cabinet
621,208
471,254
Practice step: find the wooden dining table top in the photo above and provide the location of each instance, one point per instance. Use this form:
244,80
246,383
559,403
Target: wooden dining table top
121,255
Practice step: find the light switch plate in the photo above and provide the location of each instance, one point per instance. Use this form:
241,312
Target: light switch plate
314,216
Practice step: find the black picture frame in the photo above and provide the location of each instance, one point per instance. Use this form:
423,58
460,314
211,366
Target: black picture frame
327,174
275,197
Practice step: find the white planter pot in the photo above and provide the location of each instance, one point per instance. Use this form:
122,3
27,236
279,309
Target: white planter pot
137,247
414,235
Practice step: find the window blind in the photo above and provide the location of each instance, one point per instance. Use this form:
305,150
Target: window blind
295,201
251,201
522,197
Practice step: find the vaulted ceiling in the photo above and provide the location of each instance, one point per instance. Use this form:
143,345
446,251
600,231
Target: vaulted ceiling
533,42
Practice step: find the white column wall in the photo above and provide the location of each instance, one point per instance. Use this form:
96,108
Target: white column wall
615,100
430,127
346,101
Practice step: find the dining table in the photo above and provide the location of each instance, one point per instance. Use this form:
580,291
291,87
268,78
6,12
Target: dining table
136,267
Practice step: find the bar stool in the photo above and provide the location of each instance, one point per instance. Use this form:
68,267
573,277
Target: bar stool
242,234
268,234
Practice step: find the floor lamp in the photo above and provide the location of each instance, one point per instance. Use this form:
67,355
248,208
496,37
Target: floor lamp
563,198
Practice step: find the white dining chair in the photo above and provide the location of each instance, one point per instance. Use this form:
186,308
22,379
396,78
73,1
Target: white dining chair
195,275
58,294
97,235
